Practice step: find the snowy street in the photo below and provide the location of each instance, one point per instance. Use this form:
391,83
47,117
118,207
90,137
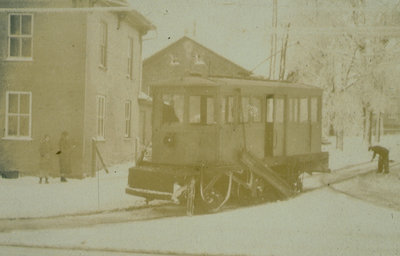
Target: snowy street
338,214
308,224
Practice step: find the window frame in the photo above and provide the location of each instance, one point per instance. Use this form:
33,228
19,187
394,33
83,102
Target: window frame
314,111
7,115
181,116
130,58
279,105
243,113
128,119
204,99
252,105
198,60
100,117
304,108
296,110
103,44
20,36
173,60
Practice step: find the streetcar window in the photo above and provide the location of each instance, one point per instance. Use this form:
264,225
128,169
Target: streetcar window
279,110
172,108
230,108
194,109
291,114
224,112
303,110
210,110
295,110
314,109
270,110
255,109
201,110
244,115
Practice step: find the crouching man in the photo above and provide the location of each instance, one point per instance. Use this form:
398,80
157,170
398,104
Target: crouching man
383,161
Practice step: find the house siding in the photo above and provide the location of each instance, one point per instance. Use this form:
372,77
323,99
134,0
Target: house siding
55,77
113,83
65,79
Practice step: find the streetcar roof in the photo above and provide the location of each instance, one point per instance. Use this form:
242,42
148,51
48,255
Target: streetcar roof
197,81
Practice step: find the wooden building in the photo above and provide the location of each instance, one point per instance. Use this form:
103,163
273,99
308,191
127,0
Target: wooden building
75,69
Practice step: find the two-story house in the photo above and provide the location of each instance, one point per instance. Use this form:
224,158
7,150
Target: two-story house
69,65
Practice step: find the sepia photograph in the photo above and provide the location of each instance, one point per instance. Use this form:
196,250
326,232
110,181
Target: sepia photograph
199,127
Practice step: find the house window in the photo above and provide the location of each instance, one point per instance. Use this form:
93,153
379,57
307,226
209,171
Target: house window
128,106
130,58
198,60
101,114
173,60
20,33
103,44
18,114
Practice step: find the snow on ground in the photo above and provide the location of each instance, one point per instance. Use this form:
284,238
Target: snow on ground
24,197
356,150
322,222
376,188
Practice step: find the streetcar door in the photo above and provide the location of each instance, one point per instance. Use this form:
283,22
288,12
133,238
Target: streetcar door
279,126
269,127
274,126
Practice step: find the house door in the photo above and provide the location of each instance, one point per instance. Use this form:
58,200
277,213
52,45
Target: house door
274,126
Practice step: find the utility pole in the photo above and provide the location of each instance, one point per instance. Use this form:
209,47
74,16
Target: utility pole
282,65
272,63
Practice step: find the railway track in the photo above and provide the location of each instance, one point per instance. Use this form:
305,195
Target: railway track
142,213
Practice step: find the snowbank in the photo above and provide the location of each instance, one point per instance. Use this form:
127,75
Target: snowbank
25,197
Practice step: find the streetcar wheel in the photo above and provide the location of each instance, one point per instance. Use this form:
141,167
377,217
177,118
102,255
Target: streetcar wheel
215,189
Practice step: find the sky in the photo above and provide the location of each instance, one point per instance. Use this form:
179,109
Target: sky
238,30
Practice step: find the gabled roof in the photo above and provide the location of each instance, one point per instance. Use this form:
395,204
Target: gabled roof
181,41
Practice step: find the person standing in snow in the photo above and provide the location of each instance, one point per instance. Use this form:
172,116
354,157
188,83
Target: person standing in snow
383,161
45,161
65,155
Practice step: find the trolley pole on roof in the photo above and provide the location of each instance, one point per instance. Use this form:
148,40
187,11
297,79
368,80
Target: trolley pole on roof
272,63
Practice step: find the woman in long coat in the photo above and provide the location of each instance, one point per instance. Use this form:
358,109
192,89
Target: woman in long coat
45,161
65,155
